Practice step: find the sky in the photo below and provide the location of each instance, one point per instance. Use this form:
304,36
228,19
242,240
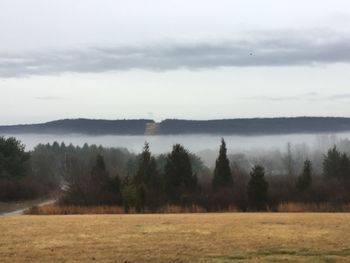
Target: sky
161,59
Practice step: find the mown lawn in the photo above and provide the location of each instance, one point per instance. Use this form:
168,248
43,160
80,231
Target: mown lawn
228,237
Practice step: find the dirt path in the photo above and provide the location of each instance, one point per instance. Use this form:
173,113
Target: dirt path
25,207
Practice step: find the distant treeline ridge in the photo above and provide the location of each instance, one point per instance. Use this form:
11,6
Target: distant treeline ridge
252,126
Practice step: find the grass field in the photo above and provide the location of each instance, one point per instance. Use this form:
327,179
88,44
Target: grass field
228,237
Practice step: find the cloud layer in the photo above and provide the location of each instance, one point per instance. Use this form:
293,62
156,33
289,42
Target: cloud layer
312,96
270,49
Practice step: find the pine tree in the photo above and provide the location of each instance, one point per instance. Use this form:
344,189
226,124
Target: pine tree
179,177
129,194
257,189
99,183
13,158
99,172
332,164
115,190
305,179
222,172
147,171
345,167
147,180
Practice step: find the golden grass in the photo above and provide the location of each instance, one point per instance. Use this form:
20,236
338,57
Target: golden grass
312,207
54,209
226,237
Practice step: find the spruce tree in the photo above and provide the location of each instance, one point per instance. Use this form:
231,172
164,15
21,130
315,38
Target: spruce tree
257,189
99,183
147,180
344,167
113,191
147,172
179,177
222,172
13,158
305,179
129,193
99,173
332,164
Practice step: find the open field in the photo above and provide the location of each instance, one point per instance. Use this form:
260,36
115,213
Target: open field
228,237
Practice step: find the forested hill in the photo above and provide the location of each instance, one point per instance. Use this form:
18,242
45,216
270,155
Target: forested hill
173,126
83,126
257,126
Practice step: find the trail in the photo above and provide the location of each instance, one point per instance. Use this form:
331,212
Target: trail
21,211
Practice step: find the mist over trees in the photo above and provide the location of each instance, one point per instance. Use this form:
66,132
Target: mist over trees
305,178
93,175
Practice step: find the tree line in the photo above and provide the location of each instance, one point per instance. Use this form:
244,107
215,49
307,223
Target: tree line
92,175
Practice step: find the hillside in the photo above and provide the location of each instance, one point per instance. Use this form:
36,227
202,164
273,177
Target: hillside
257,126
252,126
83,126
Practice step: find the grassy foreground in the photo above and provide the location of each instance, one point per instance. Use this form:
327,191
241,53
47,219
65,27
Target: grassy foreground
228,237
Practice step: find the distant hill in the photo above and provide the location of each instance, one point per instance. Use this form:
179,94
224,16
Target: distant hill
83,126
257,126
252,126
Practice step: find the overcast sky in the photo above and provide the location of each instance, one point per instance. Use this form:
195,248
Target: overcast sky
160,59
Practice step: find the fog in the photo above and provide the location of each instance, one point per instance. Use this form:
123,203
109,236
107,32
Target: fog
206,146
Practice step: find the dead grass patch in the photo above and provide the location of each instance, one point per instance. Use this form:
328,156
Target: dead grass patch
312,207
54,209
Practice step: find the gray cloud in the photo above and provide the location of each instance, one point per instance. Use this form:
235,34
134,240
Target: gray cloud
270,49
312,96
343,96
276,98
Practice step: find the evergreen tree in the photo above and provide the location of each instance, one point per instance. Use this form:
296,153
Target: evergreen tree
99,183
115,190
222,172
147,171
305,179
257,189
129,194
345,166
13,159
179,177
99,174
147,180
332,164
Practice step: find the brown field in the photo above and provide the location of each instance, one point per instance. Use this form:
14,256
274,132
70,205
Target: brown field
227,237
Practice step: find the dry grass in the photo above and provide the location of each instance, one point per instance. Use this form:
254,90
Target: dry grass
312,207
54,209
227,237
